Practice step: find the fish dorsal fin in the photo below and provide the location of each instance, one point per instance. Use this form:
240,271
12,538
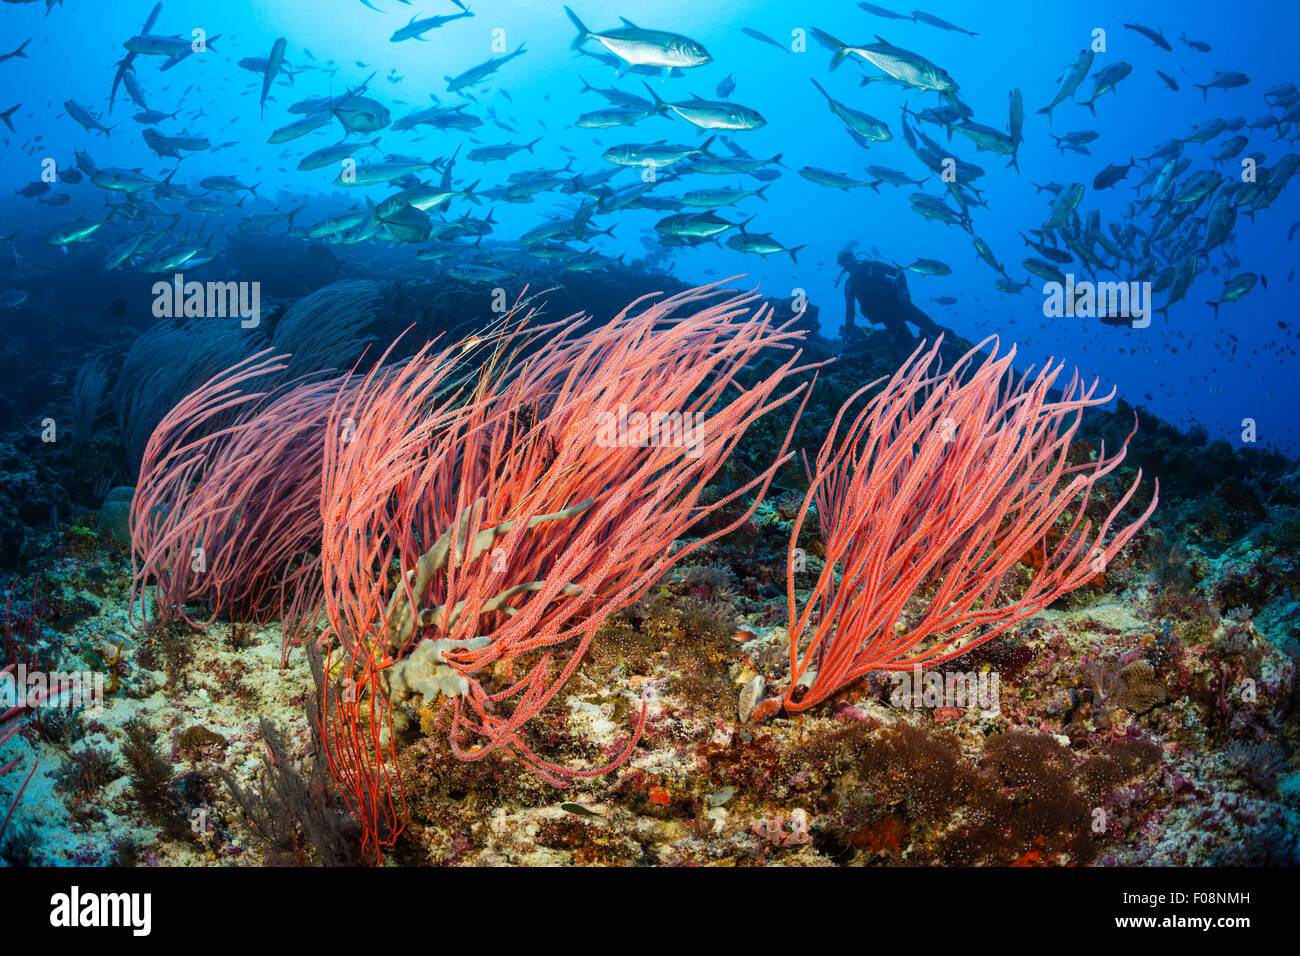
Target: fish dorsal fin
629,23
883,40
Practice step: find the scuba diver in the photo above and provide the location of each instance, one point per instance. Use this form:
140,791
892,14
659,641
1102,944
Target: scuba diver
880,291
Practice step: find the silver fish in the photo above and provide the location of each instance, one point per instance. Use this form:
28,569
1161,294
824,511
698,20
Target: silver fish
712,114
82,116
1075,75
638,47
415,29
273,63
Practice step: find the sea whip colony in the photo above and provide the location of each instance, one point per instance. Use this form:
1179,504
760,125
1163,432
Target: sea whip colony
457,529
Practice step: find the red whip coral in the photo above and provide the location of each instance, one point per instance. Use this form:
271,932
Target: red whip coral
939,486
229,490
472,550
227,510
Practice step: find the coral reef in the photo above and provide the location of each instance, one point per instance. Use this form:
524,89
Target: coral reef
1147,717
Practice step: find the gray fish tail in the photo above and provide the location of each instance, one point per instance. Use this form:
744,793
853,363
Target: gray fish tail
583,33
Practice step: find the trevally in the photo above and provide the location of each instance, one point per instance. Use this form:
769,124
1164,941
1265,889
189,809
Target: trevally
712,114
638,47
905,66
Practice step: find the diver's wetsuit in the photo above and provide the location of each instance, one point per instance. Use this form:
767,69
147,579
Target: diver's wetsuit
881,293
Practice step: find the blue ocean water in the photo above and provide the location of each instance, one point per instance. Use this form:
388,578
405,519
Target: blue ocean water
1189,366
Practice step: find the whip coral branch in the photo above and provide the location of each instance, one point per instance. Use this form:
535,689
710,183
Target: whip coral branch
227,508
938,488
224,515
